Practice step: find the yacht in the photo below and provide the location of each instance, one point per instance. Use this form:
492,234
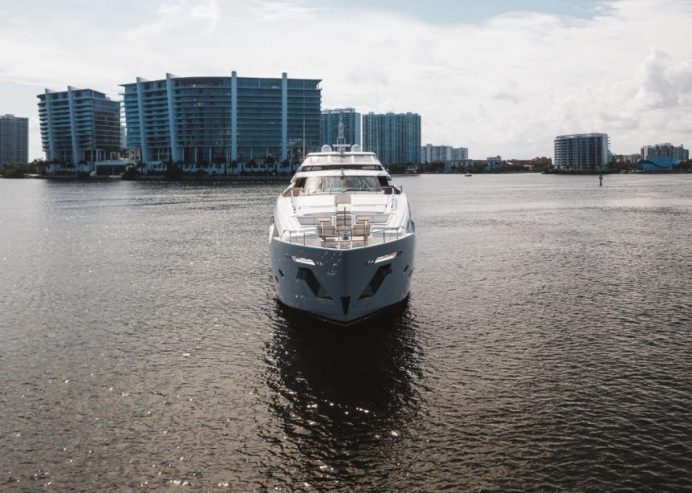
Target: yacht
342,239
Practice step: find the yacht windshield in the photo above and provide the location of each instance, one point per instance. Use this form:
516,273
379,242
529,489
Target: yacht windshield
336,184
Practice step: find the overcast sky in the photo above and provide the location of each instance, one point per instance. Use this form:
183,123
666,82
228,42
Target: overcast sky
499,77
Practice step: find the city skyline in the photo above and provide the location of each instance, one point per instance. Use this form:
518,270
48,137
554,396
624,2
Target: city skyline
501,79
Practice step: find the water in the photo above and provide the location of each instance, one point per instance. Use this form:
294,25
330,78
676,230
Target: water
546,343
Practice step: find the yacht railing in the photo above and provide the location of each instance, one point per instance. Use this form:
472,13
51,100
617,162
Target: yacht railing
299,192
344,239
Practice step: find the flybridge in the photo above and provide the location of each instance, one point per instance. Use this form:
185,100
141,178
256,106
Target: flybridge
331,166
342,159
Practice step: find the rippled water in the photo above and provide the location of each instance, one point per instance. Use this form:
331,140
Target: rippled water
546,343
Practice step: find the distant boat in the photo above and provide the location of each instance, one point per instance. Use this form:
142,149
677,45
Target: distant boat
468,174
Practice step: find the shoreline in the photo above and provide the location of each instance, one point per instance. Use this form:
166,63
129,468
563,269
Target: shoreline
287,179
201,179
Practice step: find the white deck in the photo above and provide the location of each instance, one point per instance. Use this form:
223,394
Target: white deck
320,220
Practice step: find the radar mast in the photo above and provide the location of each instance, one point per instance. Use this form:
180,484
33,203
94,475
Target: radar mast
341,145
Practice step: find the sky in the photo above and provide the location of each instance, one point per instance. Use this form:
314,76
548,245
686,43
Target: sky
499,77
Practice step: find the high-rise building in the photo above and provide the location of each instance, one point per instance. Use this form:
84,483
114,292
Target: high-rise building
200,120
582,151
329,126
662,156
435,154
442,154
14,140
79,125
395,138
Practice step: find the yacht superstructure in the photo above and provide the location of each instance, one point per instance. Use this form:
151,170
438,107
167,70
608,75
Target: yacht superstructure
342,238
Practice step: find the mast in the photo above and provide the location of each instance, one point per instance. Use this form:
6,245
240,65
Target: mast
341,144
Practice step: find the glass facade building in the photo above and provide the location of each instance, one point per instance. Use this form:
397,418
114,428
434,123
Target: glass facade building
329,126
14,140
395,138
79,125
204,120
580,152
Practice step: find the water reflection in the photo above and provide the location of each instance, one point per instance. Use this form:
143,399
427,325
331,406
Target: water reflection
342,395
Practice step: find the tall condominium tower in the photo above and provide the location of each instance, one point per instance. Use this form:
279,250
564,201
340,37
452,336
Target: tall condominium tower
395,138
582,151
79,125
14,140
200,120
329,126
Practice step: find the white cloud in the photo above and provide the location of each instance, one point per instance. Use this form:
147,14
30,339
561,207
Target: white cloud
282,11
505,86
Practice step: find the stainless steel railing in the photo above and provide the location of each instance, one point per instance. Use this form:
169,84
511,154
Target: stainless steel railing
310,237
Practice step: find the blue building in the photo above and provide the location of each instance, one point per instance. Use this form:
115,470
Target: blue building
662,157
329,126
395,138
79,127
202,121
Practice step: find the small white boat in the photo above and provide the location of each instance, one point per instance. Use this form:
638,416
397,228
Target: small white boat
342,239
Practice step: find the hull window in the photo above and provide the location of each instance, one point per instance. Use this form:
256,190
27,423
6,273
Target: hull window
376,281
309,277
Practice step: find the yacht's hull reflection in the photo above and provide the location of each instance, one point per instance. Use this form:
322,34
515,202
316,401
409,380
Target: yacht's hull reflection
343,395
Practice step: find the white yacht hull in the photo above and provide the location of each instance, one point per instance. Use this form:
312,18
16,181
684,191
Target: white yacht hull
343,286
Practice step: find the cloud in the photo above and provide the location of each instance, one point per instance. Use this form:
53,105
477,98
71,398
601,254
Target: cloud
663,82
505,86
282,11
172,11
655,101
